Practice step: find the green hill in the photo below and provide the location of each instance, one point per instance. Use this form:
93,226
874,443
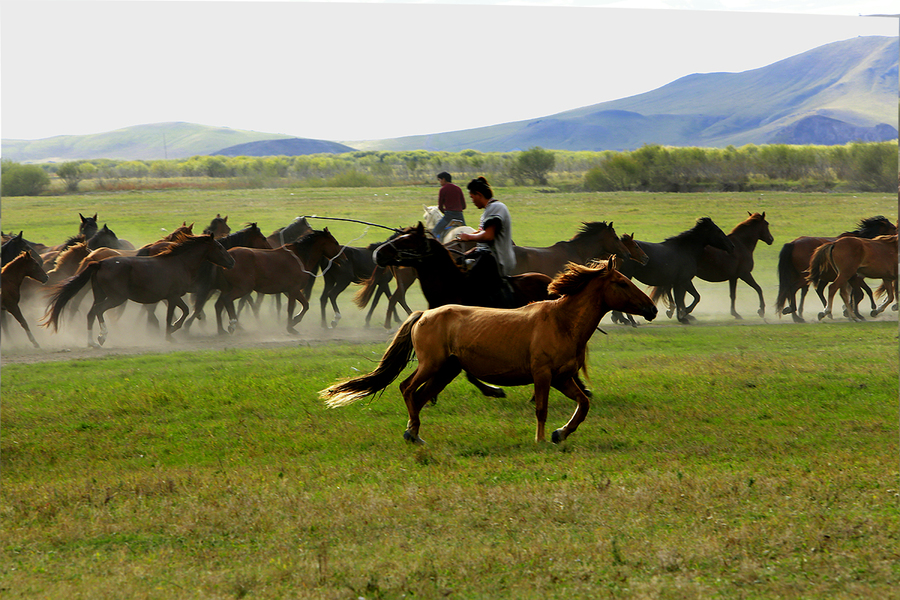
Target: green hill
141,142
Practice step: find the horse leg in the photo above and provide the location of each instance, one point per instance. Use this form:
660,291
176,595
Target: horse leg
889,297
681,312
17,313
292,321
690,289
220,304
97,309
335,291
749,280
570,388
832,290
424,384
152,321
488,390
323,303
732,292
170,327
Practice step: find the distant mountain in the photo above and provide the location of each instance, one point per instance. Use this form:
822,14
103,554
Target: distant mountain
853,83
141,142
837,93
284,147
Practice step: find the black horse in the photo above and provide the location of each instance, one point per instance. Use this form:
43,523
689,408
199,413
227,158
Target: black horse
357,266
673,265
14,246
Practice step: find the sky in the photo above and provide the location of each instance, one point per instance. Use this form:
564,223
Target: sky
352,71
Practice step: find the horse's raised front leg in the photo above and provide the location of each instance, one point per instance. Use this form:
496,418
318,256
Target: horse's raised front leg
570,388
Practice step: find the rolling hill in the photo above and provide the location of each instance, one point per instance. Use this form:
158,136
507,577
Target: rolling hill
840,92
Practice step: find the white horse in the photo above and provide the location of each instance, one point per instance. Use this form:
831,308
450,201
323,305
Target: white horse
431,217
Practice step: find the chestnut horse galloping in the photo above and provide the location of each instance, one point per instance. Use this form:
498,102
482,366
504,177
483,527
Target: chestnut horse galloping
543,343
851,256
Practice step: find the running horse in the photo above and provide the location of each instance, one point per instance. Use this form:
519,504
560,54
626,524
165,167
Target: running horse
717,265
283,270
443,282
12,275
218,227
673,264
848,257
142,279
544,344
794,259
594,240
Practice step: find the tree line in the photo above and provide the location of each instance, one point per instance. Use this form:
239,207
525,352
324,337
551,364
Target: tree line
857,166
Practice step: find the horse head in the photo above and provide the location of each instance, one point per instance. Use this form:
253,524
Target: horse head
635,252
88,226
407,249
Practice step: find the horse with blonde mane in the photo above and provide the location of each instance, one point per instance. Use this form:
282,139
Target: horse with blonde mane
543,343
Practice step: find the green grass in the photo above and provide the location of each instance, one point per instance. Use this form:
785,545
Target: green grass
721,460
717,461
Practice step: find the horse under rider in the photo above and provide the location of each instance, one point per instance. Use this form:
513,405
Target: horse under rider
494,234
451,203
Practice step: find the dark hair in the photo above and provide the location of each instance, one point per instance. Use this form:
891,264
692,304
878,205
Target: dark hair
445,176
481,185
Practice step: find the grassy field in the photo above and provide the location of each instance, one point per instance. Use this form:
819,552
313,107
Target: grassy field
722,460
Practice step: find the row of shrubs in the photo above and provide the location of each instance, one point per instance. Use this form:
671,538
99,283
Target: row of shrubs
856,167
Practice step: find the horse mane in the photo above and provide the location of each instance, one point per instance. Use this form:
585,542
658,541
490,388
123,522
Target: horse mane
702,221
181,246
576,277
870,227
590,229
70,255
753,217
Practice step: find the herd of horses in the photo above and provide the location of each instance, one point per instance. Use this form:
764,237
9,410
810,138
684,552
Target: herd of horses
529,328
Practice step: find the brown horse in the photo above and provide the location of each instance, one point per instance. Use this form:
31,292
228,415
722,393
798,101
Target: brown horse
793,262
851,256
218,227
11,277
284,270
142,279
594,240
179,234
717,265
543,344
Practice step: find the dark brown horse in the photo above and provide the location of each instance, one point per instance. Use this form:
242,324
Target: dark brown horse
284,270
12,275
850,257
218,227
794,258
543,344
594,240
717,265
142,279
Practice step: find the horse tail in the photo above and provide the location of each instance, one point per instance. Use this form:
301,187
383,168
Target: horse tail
820,262
661,292
787,276
362,297
64,291
395,359
885,289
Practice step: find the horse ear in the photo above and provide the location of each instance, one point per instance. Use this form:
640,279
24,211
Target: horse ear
764,215
226,218
82,217
420,229
612,263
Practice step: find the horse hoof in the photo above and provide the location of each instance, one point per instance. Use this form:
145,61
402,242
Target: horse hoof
669,313
557,436
797,318
761,313
821,316
101,339
413,439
